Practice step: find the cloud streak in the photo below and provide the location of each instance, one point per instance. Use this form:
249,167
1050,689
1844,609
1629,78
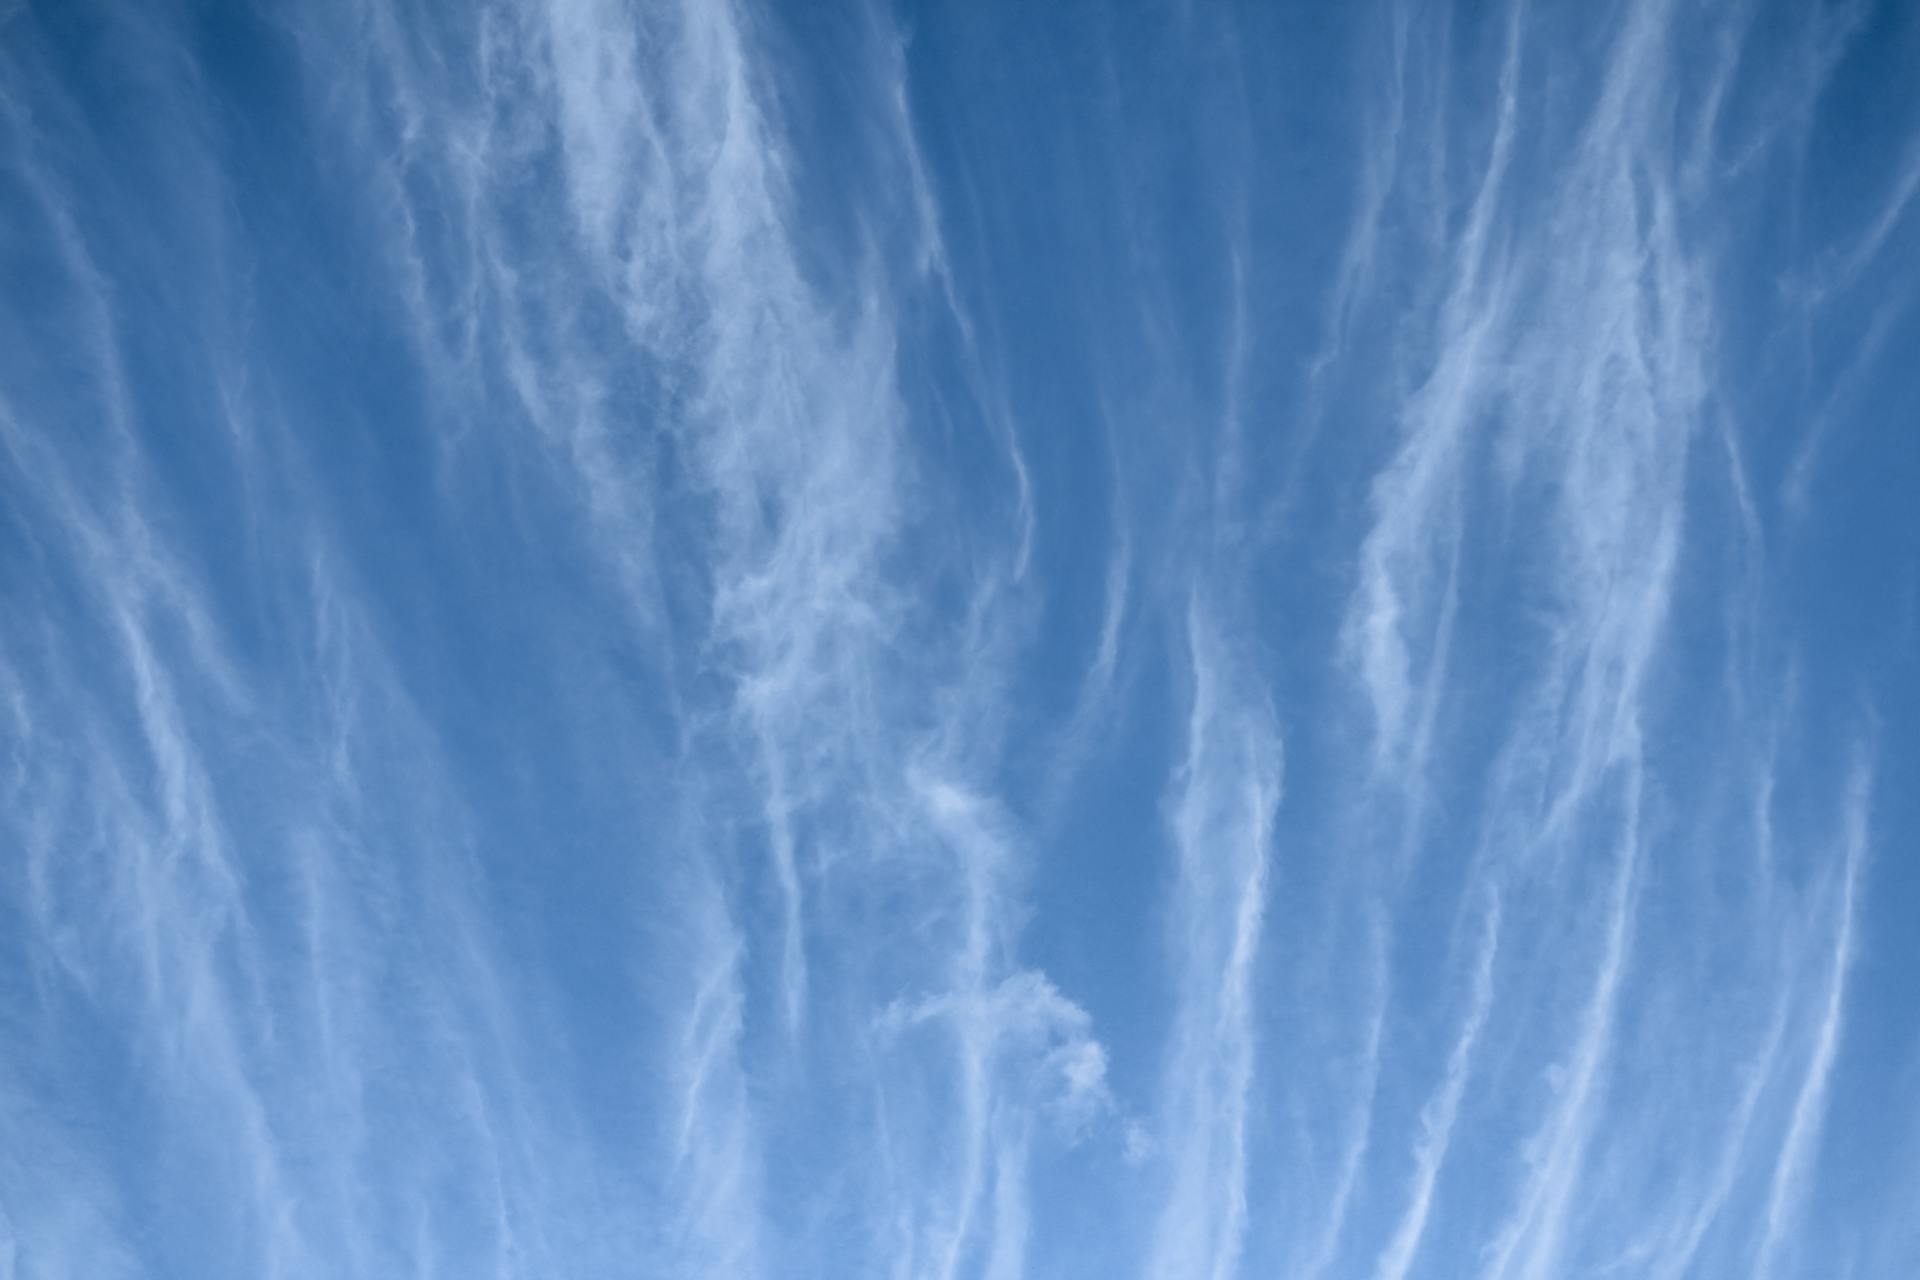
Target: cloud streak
1221,814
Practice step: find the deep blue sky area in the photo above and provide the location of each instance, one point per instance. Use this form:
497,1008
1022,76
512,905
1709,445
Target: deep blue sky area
947,641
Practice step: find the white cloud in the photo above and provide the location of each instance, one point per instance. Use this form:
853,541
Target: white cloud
1221,814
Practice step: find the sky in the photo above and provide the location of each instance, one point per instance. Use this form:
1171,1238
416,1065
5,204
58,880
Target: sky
1183,640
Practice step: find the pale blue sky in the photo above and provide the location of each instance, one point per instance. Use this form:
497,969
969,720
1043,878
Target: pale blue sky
737,640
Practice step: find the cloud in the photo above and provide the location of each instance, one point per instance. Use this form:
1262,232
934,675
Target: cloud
615,625
1442,1110
1809,1104
1221,813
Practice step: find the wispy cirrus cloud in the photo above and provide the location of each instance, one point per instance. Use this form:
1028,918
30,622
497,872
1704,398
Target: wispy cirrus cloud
1221,815
657,637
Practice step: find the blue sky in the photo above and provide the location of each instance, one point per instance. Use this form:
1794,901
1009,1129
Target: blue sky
961,640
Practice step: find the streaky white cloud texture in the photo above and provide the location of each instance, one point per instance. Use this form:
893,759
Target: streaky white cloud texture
704,638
